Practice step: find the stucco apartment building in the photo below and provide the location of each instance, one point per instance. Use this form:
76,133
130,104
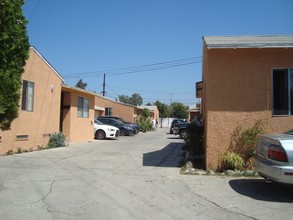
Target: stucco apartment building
77,114
39,107
245,78
48,106
153,110
106,106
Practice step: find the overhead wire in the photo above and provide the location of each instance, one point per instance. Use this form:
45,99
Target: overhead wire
136,69
34,10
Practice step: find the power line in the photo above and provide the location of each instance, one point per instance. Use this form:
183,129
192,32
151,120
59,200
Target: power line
137,69
37,5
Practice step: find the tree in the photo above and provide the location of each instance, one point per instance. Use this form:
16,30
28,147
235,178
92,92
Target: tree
14,52
144,120
178,110
146,113
80,84
123,98
135,99
163,109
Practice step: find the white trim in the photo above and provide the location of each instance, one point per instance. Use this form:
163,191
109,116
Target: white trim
52,68
99,108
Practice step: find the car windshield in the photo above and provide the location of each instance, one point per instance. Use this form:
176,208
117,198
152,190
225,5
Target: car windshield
98,122
118,122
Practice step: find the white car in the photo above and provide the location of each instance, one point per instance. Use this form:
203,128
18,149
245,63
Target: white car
102,131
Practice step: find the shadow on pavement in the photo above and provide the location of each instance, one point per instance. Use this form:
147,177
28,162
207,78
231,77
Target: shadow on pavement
259,189
169,156
175,137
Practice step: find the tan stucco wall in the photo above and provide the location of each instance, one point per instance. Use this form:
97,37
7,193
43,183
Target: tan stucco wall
44,119
238,91
156,113
119,109
77,129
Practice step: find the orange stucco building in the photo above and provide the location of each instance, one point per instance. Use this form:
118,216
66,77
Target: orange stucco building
245,78
153,110
39,106
77,114
49,106
105,106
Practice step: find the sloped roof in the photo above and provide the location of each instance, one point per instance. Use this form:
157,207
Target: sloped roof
94,94
150,107
52,68
277,41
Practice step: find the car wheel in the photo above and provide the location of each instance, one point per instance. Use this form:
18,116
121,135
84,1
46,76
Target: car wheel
183,133
100,135
171,131
123,132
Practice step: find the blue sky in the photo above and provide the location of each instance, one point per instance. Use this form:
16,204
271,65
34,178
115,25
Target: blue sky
150,47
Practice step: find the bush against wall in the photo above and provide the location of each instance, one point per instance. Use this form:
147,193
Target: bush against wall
56,140
194,140
232,161
243,141
144,121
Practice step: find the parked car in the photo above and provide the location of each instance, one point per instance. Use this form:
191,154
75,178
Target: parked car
274,157
180,128
102,131
176,121
125,130
133,125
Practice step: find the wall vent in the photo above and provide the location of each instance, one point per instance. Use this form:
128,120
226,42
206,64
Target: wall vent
47,135
22,137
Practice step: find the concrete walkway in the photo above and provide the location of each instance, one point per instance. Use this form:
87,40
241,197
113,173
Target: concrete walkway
129,178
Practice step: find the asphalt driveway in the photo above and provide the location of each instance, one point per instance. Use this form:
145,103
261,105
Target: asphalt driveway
129,178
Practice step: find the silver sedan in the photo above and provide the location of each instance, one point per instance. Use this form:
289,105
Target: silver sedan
274,157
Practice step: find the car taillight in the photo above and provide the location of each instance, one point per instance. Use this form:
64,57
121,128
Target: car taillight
276,152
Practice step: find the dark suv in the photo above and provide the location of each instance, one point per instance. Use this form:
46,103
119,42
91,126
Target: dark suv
176,121
125,129
134,126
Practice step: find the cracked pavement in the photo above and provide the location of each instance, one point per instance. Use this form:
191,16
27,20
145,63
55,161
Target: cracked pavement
129,178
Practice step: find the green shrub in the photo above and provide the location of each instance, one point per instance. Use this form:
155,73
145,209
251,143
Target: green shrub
194,140
56,140
19,150
145,124
9,152
41,147
243,141
232,161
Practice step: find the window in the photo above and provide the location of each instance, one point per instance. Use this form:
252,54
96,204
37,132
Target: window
83,107
27,96
108,111
283,92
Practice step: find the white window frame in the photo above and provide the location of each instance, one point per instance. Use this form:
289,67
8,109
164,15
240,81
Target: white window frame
28,90
108,111
83,106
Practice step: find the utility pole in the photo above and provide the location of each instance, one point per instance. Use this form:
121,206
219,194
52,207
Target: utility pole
104,84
